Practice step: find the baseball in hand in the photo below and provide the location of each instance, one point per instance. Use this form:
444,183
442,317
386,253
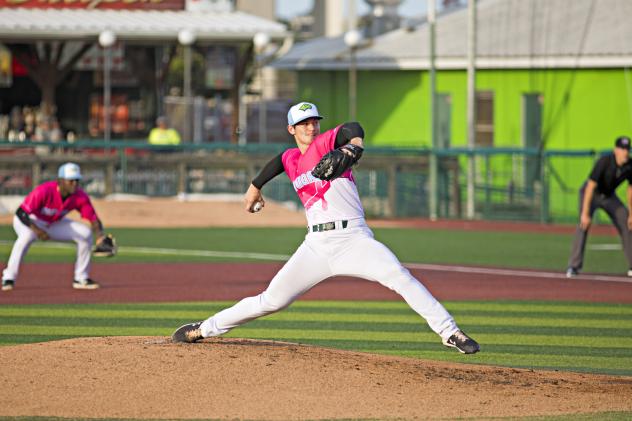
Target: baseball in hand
257,206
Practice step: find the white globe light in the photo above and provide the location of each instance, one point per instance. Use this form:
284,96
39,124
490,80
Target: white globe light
186,37
261,40
107,38
353,38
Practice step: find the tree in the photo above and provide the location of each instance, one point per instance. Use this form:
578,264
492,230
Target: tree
44,66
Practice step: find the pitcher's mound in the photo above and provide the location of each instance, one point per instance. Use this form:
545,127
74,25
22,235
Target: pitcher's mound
223,378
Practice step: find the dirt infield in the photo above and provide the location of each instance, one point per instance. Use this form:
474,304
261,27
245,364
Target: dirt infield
149,377
45,283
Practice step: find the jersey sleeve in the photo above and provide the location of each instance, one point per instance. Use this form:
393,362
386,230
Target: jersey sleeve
273,168
85,208
34,200
326,141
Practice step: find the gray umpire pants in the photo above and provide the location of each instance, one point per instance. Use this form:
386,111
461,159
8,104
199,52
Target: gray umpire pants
619,216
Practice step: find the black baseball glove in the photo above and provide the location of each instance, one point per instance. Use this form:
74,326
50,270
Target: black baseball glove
106,247
334,163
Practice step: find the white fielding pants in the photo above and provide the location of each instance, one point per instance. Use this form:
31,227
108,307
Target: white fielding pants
63,230
347,252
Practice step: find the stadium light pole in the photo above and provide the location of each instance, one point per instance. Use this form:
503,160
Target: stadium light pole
352,40
106,40
434,166
186,38
261,41
471,107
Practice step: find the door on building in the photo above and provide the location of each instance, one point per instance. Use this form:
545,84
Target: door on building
532,138
444,134
444,118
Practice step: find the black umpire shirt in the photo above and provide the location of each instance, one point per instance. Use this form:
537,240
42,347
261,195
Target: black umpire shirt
608,175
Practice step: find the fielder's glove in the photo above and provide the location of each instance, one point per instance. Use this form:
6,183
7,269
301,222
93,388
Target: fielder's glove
106,247
334,163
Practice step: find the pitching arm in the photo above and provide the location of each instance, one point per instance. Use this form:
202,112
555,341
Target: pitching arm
253,195
350,133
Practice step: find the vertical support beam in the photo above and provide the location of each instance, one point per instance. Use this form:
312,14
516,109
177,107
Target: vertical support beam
182,178
392,192
488,183
36,174
109,178
544,190
433,199
123,166
187,93
471,107
353,84
107,94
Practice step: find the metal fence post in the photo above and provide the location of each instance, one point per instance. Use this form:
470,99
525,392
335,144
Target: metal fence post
123,164
109,178
392,191
36,172
182,178
544,191
488,183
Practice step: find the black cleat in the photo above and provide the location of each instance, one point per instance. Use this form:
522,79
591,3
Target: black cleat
572,273
85,284
463,343
190,332
7,284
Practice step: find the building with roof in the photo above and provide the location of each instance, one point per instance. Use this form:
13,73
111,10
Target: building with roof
550,75
570,59
56,59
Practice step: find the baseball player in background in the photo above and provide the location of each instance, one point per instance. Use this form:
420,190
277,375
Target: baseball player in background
599,191
338,241
42,215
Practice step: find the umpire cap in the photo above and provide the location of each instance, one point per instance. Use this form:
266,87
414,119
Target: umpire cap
622,142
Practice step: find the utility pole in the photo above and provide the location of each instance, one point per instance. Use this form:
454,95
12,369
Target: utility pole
433,167
471,107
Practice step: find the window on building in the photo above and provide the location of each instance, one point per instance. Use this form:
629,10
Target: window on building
485,118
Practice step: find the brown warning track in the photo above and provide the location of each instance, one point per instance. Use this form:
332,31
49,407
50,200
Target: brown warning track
153,282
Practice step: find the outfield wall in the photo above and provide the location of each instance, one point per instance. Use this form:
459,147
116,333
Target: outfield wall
510,184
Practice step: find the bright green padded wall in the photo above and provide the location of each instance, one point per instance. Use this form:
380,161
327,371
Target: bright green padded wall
582,109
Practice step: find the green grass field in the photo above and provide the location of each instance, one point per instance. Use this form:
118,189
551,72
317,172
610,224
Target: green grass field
580,337
595,338
500,249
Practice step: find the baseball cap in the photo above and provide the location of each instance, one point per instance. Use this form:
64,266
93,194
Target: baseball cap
302,111
69,171
622,142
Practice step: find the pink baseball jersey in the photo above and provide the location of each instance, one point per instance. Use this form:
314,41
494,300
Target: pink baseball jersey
46,204
324,201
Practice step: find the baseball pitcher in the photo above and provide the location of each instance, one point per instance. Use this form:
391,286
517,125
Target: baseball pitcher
338,241
42,216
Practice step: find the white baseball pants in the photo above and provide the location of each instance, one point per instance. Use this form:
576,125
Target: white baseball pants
347,252
63,230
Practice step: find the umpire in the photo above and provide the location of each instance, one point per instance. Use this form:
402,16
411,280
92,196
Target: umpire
599,192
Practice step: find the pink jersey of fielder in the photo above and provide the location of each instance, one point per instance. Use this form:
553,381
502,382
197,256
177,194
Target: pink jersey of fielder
46,203
324,201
